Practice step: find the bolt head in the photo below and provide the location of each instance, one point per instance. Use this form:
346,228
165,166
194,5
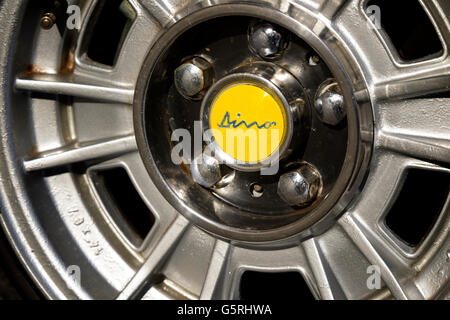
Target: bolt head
265,40
205,170
314,60
329,104
300,187
47,21
193,76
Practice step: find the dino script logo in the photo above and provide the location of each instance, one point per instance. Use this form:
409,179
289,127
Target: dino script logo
227,123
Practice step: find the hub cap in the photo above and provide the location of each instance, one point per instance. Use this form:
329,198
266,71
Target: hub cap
252,116
248,107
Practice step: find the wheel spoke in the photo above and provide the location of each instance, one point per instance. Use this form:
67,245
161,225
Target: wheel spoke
215,274
439,14
417,82
75,86
356,29
419,147
143,30
328,286
380,254
80,152
162,11
160,252
408,127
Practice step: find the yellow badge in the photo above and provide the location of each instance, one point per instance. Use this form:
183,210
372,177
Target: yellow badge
248,122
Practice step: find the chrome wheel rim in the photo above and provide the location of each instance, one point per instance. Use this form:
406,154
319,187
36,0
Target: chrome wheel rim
39,210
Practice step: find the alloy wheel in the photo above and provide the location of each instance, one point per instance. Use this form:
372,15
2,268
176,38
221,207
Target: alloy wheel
87,185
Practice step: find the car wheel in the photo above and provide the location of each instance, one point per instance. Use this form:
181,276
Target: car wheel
106,189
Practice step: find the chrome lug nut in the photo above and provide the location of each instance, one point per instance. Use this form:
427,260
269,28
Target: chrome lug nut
193,77
205,170
329,103
300,187
265,40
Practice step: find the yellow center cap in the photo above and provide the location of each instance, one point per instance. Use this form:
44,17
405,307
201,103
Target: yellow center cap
248,122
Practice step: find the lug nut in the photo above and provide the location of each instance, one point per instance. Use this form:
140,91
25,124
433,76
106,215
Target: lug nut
300,187
193,77
329,103
265,40
48,20
206,170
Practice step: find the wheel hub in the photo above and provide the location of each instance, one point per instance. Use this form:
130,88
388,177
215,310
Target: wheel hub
254,112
